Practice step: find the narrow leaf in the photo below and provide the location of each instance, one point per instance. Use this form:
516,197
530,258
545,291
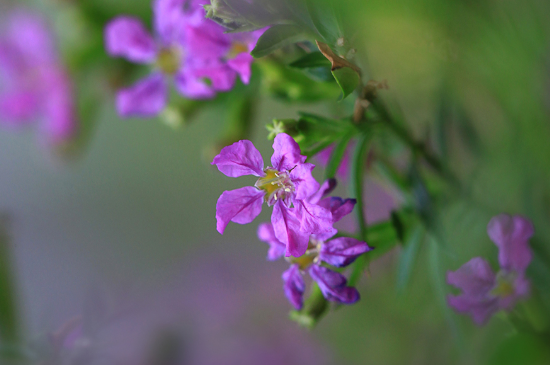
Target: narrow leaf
408,257
311,60
276,37
8,308
438,275
337,156
324,16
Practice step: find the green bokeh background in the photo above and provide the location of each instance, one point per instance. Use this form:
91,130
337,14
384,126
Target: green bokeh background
139,197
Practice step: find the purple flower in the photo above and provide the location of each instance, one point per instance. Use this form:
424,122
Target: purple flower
286,186
294,286
33,83
333,285
188,49
338,252
483,292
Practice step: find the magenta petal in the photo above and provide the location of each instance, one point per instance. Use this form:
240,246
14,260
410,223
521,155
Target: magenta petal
146,98
338,207
276,248
242,65
239,206
333,285
342,251
30,34
193,87
239,159
127,37
479,309
287,230
18,108
207,40
60,116
313,218
169,20
511,235
304,183
475,278
286,153
326,188
294,286
200,79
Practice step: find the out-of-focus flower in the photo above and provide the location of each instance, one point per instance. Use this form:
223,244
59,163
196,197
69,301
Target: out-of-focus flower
188,49
483,292
286,185
168,326
343,169
338,252
34,86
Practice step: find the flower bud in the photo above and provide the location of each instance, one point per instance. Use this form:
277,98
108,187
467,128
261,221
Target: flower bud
224,15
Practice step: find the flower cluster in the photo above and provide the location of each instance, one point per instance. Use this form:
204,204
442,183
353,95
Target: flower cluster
33,83
483,292
302,219
337,252
188,50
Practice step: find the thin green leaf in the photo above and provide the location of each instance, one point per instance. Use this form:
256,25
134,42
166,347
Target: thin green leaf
325,15
311,60
398,226
276,37
337,156
9,329
408,257
358,171
438,280
348,80
357,185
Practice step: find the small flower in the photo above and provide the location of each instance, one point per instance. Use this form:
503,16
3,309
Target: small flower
286,185
338,252
483,292
33,83
189,50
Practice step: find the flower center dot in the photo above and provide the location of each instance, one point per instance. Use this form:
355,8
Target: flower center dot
169,60
277,186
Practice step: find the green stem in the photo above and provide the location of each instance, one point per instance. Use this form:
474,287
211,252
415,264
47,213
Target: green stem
418,148
358,166
9,329
337,155
359,161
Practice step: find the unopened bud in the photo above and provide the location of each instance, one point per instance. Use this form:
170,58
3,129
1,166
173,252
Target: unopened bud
224,15
287,126
172,117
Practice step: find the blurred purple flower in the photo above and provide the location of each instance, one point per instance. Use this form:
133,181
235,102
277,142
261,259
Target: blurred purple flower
192,51
170,326
483,292
286,185
33,83
343,169
338,252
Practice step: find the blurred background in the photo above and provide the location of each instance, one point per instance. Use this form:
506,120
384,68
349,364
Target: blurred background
118,229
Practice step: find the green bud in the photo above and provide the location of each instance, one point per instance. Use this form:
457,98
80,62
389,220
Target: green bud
224,15
288,126
172,117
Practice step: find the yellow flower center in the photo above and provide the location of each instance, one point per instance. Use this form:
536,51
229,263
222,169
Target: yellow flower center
236,49
277,185
505,285
169,60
